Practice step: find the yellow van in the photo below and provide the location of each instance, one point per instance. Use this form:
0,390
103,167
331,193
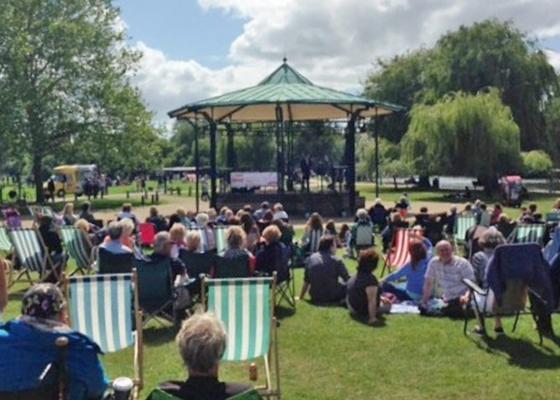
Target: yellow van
70,179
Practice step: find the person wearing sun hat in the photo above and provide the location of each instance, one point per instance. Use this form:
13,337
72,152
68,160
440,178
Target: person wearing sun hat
27,345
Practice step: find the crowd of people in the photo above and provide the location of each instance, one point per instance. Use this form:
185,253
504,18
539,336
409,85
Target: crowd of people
264,240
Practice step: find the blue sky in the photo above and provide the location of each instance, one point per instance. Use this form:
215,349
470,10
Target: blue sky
193,49
182,29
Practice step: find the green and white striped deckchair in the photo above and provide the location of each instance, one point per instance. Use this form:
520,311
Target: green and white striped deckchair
528,233
78,247
220,237
5,243
462,224
31,253
246,307
101,307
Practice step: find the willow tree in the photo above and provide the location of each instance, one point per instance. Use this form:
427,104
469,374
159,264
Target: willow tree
463,134
63,74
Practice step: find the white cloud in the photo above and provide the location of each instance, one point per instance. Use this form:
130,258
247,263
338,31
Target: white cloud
553,58
333,42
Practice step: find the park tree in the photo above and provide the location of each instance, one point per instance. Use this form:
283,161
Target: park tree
463,134
536,164
64,70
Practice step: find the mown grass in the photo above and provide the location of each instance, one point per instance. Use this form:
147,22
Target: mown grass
325,354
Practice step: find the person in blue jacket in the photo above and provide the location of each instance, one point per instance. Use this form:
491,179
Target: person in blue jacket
27,346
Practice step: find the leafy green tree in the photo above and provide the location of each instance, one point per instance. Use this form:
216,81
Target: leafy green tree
463,134
536,163
552,122
64,71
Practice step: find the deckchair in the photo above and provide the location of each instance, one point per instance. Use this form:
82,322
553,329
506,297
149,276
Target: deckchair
246,307
102,308
203,246
232,267
363,236
32,255
528,233
220,237
517,272
251,394
5,243
398,255
109,263
155,290
552,218
197,264
78,247
147,234
462,225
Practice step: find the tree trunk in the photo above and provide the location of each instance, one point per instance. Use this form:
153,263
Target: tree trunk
38,178
395,183
490,184
424,182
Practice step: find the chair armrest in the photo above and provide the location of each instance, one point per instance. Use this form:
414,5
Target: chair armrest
474,287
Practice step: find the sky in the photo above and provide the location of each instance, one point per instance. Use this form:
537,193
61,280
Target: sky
193,49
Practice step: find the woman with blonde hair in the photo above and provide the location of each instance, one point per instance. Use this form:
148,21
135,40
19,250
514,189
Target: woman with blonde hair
237,246
68,216
177,235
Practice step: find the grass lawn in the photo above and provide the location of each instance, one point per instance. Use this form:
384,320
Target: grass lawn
325,354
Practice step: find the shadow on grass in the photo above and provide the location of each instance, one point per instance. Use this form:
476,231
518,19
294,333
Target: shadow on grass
159,335
281,312
381,322
522,353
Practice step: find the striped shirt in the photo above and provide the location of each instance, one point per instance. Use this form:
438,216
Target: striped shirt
447,278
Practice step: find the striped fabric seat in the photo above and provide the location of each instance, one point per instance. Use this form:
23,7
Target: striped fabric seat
553,218
528,233
220,237
398,256
30,251
5,243
78,247
243,305
203,246
462,224
101,308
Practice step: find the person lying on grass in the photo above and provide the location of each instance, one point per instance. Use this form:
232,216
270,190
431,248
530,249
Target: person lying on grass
444,277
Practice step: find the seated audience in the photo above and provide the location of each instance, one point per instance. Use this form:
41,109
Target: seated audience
444,276
251,230
127,213
378,215
113,242
468,210
265,221
312,233
345,238
362,231
496,212
68,216
279,212
174,219
323,273
86,214
449,221
207,230
237,246
488,242
413,272
556,206
422,217
395,222
177,235
287,231
192,241
183,218
330,229
483,215
272,255
202,343
27,346
505,225
259,214
162,251
363,292
223,218
52,241
156,219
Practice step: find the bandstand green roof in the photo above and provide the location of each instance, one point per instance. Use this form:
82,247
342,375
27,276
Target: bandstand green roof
286,90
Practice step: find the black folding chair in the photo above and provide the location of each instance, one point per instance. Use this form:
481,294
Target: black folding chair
111,263
232,267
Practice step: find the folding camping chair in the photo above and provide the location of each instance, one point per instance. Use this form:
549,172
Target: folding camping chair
513,266
197,264
155,290
528,233
5,243
250,394
398,255
364,236
232,267
32,255
220,237
109,263
462,225
246,307
147,234
78,247
102,308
